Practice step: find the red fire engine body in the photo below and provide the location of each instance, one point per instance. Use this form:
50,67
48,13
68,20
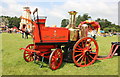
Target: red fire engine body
83,51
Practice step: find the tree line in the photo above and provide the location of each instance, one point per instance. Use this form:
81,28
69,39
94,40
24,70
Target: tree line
10,21
105,24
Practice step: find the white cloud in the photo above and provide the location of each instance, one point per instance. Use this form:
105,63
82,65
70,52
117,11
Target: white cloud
97,9
103,8
11,8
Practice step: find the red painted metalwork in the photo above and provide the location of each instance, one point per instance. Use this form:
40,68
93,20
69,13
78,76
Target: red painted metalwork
39,50
41,21
43,54
111,54
49,34
85,52
45,47
93,24
55,59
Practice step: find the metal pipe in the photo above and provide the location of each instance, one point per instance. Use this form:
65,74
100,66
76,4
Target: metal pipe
72,19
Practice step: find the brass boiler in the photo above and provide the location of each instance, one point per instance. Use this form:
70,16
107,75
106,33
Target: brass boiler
76,33
83,30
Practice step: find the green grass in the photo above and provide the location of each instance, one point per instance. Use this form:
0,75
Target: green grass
14,64
119,38
0,54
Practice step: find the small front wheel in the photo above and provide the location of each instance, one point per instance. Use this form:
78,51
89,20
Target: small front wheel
28,56
55,59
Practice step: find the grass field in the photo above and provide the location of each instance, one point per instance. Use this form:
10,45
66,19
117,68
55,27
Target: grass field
14,64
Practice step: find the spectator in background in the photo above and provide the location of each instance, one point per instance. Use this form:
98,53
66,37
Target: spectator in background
22,32
26,34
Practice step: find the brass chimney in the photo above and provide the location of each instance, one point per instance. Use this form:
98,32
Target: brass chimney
74,33
72,19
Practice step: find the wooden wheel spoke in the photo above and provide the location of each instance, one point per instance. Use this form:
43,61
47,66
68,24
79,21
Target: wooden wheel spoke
53,59
78,51
89,44
85,60
93,53
59,56
78,46
91,57
82,44
80,58
32,58
78,55
56,56
86,42
28,57
92,46
88,59
53,64
81,61
92,49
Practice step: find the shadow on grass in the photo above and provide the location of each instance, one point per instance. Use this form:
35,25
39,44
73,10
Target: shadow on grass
45,64
97,61
63,64
42,64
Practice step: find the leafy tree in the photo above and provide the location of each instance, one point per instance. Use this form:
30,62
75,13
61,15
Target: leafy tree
11,21
82,18
117,27
85,17
79,19
107,26
109,29
4,20
104,23
64,22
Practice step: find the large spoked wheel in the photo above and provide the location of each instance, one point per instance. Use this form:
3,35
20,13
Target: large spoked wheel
28,56
85,52
55,59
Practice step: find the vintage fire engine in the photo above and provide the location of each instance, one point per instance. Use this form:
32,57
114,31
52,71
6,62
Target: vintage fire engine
58,43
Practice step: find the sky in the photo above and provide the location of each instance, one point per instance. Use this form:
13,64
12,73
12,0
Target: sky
56,10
